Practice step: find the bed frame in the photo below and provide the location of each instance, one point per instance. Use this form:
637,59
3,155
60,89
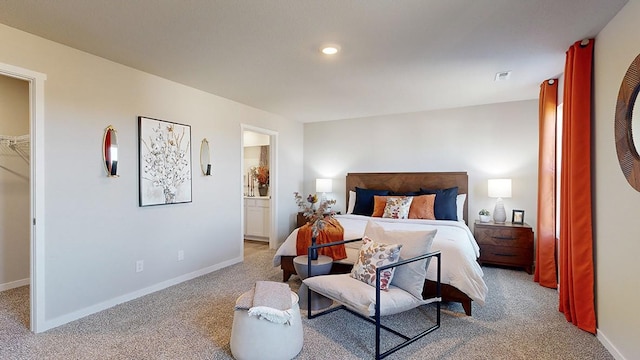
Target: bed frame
403,182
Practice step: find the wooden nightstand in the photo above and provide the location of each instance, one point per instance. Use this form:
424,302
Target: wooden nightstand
505,244
301,220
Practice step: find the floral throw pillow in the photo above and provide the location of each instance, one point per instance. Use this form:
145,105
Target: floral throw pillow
397,207
373,255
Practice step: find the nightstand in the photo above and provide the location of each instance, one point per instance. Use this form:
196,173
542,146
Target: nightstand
301,220
505,244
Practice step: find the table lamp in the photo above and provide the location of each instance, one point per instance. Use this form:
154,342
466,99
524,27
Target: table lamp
324,186
499,188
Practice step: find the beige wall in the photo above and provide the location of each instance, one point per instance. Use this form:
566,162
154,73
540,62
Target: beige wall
14,190
488,141
94,230
616,203
14,106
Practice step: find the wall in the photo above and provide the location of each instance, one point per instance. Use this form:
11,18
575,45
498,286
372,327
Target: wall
95,231
617,204
14,190
490,141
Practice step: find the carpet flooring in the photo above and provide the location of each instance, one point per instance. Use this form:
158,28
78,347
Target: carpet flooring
192,320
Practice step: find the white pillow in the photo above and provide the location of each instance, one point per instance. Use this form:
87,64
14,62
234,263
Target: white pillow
361,297
409,277
351,202
460,199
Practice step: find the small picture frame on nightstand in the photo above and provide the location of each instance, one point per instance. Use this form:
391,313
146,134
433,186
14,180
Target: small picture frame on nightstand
517,217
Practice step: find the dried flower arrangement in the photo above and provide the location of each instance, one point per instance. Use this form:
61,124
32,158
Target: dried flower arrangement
261,174
315,216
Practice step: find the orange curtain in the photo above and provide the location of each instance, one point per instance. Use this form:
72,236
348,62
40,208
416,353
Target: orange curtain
576,242
546,273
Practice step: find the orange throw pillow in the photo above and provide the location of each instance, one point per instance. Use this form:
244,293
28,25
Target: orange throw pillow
422,207
379,203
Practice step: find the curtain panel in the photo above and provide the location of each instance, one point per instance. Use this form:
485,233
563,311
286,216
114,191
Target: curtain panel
576,236
546,265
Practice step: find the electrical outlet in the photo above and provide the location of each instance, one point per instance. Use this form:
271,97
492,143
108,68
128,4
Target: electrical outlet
180,255
139,265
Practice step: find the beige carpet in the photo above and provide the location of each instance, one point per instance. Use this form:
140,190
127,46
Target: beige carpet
193,320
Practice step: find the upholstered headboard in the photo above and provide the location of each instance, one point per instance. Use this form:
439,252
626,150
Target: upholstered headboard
410,181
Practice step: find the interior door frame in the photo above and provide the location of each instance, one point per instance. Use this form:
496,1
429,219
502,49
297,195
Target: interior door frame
273,181
36,181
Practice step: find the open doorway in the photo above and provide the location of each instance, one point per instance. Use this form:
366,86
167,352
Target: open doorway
15,196
259,185
30,146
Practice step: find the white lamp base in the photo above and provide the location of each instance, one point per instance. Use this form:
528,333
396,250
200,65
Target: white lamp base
499,214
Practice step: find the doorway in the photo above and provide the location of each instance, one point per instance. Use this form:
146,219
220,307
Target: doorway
15,203
34,156
259,185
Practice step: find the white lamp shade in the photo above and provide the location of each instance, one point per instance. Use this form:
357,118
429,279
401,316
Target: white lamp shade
500,188
324,185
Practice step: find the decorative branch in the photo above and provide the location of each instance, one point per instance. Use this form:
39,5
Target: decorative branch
316,217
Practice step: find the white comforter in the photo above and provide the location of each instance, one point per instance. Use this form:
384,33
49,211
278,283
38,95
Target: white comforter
454,240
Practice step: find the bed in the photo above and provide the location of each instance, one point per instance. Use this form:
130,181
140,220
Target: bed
461,273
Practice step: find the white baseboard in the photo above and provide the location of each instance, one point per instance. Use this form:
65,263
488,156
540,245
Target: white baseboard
14,284
61,320
607,344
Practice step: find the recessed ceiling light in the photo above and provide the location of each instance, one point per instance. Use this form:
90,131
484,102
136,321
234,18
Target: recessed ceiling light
330,49
502,76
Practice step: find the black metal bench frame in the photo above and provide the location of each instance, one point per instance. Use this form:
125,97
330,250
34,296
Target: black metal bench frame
376,318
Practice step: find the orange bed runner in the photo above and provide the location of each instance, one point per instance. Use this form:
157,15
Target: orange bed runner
332,232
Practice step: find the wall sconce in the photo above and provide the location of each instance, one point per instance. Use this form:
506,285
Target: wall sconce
499,188
110,151
205,161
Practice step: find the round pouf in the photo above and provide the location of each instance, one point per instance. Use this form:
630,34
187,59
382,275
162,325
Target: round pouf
255,338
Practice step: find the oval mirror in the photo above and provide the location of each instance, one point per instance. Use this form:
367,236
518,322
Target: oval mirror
205,162
625,122
110,151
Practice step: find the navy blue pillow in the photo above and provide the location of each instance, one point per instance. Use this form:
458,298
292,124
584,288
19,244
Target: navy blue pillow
408,193
364,200
445,207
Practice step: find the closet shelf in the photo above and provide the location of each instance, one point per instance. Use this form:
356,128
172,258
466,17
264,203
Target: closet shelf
10,145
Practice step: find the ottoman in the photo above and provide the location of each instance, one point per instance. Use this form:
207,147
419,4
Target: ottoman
255,338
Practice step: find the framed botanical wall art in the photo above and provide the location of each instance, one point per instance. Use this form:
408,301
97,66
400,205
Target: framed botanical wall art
164,162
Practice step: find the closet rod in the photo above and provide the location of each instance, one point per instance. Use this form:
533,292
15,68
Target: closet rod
14,173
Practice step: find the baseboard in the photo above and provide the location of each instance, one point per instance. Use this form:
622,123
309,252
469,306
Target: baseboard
61,320
608,345
14,284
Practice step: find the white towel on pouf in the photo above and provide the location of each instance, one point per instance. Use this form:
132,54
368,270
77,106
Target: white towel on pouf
268,300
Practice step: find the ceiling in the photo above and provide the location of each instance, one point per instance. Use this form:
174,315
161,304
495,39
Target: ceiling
396,56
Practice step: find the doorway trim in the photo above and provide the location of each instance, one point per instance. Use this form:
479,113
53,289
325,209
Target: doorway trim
36,165
273,181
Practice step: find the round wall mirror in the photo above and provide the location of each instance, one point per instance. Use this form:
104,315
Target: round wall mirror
110,151
205,162
626,120
635,125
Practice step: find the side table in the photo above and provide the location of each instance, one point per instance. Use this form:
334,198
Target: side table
505,244
322,266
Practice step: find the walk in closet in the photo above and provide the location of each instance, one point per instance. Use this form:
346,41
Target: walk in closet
14,183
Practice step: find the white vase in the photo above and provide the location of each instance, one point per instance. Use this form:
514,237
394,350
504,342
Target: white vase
485,218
